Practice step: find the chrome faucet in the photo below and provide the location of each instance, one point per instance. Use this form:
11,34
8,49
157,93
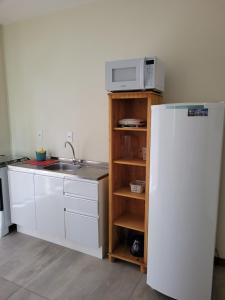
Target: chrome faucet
73,151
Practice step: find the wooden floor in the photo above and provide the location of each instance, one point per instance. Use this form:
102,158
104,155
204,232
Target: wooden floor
32,269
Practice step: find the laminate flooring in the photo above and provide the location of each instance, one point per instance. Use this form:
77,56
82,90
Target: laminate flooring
33,269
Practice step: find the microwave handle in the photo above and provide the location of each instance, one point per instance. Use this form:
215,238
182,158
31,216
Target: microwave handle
142,70
1,196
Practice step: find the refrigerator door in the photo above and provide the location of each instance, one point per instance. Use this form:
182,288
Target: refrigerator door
186,145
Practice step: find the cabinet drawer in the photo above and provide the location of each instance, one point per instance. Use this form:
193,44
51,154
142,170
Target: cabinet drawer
82,229
81,188
81,205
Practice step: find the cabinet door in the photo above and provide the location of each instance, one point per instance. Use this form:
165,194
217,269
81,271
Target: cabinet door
49,206
21,189
82,229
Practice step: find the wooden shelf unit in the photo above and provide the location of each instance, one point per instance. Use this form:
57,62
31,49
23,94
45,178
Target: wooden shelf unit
128,211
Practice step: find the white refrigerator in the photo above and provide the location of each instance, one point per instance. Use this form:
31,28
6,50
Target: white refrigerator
185,164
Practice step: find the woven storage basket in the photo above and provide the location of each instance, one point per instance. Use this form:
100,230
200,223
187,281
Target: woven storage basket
137,186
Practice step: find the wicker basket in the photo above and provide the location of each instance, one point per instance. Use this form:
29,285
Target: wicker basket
137,186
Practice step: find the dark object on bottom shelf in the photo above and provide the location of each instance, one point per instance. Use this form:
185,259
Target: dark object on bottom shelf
137,246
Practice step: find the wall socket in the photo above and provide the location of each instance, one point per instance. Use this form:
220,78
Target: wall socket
69,136
40,134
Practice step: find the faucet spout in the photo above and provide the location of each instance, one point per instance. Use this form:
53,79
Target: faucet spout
73,151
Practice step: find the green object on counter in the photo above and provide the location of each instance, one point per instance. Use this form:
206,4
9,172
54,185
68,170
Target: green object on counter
40,156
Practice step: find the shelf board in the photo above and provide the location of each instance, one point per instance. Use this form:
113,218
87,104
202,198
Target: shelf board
123,252
132,95
130,128
130,221
131,162
125,192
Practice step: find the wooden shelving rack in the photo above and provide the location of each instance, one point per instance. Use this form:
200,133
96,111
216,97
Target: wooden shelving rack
128,212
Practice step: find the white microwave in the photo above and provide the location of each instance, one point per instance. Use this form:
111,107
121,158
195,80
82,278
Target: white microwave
135,74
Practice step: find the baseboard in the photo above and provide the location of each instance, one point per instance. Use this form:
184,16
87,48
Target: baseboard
219,261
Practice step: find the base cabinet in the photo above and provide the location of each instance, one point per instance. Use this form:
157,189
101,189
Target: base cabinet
21,191
82,210
69,212
49,206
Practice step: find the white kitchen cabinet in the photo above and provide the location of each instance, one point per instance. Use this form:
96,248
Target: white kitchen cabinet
81,212
60,208
21,190
86,219
82,229
49,206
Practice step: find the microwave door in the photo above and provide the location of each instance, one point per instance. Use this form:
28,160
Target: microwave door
125,75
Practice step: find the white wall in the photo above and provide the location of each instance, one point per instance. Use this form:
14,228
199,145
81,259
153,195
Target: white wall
4,119
55,68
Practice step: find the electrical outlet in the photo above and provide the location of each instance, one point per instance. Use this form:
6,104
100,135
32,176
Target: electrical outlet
69,136
40,135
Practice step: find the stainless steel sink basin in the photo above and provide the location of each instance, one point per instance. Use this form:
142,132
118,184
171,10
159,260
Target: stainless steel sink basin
83,169
63,167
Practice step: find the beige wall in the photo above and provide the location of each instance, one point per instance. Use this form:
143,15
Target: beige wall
4,119
55,68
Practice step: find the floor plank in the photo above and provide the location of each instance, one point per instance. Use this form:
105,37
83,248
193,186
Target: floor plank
7,288
28,260
55,279
78,276
144,292
23,294
103,281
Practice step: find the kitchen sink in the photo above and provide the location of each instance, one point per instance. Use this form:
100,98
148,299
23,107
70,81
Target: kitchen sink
63,167
82,169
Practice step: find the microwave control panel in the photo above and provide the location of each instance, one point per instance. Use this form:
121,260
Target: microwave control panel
149,73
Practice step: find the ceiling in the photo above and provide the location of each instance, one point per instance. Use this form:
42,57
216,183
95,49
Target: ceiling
15,10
